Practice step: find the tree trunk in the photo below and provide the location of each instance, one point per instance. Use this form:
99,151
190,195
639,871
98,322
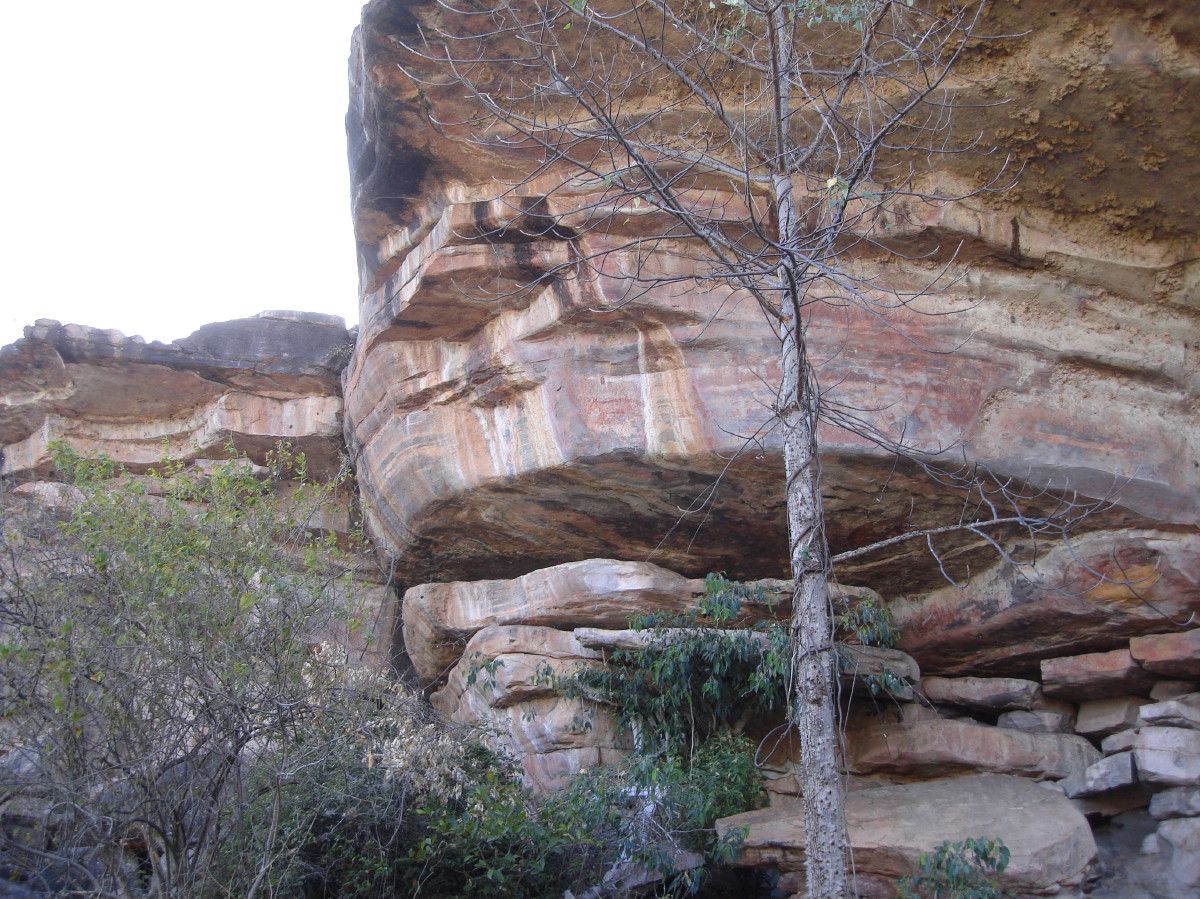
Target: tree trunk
814,710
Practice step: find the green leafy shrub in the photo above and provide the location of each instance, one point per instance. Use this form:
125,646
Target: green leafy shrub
361,781
869,624
156,630
957,871
696,677
498,840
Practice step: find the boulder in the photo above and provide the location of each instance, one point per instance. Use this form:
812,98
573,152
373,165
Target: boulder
1113,772
1090,596
938,747
1181,802
1168,755
1171,689
439,619
1095,675
991,694
1118,742
511,664
1175,655
504,682
1050,841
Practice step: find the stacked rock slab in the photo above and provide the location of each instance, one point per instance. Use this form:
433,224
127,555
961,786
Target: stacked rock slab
511,444
970,742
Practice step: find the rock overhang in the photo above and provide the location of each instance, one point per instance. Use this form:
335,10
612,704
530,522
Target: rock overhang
568,399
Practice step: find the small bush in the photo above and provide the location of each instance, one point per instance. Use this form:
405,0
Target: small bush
957,871
498,840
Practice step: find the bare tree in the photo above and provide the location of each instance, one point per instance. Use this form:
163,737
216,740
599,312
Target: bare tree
775,146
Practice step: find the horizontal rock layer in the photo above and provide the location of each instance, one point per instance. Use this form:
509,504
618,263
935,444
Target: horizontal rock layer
247,384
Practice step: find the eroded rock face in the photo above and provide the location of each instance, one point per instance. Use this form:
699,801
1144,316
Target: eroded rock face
504,681
1087,598
248,383
937,747
241,386
499,430
506,439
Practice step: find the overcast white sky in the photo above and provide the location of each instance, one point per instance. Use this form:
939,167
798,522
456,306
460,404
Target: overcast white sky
170,164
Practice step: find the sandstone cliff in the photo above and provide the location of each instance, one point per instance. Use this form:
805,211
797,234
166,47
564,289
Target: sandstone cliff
497,431
536,465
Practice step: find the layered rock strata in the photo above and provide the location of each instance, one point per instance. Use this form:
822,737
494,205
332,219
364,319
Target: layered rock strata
508,439
500,428
966,744
244,384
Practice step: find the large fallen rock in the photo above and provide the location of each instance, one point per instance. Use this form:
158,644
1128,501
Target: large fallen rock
1168,756
999,694
1114,772
1096,675
889,827
935,747
1174,655
1100,718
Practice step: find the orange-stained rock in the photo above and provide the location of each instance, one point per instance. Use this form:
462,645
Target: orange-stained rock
498,430
509,664
1005,623
439,619
1095,675
1099,718
987,693
1173,655
603,595
247,384
504,684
